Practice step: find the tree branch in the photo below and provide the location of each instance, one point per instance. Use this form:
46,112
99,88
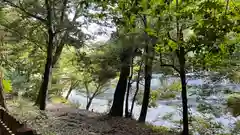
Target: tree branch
63,11
168,65
172,66
26,12
22,36
61,44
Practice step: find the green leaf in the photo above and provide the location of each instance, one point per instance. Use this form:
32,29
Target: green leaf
7,86
151,32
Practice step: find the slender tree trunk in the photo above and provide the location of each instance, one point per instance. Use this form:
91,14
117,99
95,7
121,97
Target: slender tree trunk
48,66
126,100
148,76
184,91
90,98
128,91
89,103
69,92
118,101
2,100
137,88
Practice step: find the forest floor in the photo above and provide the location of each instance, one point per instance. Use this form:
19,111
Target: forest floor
61,119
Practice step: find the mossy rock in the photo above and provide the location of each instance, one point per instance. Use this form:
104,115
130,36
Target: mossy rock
233,102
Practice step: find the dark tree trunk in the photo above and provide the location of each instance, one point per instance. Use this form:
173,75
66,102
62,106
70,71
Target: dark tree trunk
89,103
2,100
69,92
128,91
48,67
148,76
118,101
137,88
184,91
127,97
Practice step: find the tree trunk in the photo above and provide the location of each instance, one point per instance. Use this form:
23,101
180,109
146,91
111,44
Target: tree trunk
148,76
184,91
69,92
118,101
137,88
128,91
48,66
89,103
2,100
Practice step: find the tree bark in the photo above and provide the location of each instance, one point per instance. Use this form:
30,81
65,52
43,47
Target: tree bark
2,100
137,88
118,101
184,91
69,92
148,76
128,91
48,66
89,103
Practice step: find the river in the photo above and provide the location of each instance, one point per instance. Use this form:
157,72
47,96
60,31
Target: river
172,108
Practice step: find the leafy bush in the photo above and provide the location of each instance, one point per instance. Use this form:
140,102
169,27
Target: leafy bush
167,95
167,91
209,108
158,129
233,102
236,129
205,126
154,96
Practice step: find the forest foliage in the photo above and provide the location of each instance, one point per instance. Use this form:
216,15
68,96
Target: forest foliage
45,50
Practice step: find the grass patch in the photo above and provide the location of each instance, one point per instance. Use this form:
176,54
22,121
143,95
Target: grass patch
57,99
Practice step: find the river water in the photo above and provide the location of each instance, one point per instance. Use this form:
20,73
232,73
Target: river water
216,99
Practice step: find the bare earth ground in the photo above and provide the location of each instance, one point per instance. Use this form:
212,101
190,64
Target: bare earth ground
60,119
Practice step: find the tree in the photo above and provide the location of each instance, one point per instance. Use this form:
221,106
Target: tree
129,85
138,79
59,33
95,72
196,30
127,51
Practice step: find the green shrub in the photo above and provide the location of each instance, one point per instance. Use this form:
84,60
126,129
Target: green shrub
236,129
154,96
233,102
167,95
167,91
158,129
204,126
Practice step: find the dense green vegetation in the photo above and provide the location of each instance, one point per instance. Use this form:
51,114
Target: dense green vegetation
47,53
